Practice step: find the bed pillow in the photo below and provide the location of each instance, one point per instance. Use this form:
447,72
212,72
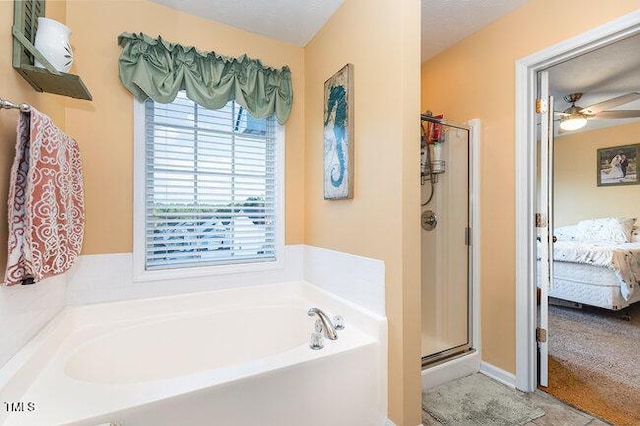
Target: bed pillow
566,233
610,229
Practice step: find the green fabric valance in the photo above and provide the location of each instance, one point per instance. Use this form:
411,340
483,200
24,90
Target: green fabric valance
156,69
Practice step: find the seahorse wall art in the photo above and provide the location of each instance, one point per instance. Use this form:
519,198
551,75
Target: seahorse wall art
338,135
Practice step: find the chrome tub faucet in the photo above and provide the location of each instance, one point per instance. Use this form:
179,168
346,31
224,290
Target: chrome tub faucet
327,326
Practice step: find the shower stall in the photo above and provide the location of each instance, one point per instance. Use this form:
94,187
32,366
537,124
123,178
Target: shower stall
447,287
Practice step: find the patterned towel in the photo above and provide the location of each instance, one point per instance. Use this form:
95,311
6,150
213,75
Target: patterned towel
46,201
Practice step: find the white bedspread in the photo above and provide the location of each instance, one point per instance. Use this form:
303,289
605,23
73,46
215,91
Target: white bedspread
622,258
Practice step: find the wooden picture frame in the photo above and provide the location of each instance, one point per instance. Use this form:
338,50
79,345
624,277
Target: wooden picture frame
338,135
617,165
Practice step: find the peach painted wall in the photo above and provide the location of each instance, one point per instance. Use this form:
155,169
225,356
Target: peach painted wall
24,310
476,79
104,127
577,195
380,222
381,40
14,88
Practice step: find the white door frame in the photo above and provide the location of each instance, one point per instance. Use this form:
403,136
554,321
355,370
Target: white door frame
526,70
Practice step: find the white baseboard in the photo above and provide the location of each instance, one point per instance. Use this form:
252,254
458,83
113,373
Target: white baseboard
450,370
388,422
498,374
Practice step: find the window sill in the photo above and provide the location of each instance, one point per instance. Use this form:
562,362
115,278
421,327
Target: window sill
141,275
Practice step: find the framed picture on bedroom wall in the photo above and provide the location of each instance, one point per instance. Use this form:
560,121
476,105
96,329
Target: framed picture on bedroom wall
617,165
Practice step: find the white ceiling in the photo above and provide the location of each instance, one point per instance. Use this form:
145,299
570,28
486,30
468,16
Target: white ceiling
602,74
293,21
446,22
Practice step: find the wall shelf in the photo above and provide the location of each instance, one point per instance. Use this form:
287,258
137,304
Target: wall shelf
48,79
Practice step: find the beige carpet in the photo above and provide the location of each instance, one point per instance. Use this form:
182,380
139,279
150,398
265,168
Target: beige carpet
594,362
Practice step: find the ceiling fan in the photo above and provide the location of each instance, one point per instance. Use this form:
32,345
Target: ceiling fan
575,117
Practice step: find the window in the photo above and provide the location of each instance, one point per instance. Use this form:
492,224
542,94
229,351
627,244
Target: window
207,187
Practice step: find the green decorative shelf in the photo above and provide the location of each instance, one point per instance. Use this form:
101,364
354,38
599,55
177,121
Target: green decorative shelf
48,79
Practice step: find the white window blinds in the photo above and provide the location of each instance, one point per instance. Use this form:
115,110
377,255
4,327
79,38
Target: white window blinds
210,185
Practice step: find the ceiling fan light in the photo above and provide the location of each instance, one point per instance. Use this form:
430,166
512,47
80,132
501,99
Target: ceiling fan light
573,122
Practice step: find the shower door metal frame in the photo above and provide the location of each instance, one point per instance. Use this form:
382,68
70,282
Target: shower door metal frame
469,347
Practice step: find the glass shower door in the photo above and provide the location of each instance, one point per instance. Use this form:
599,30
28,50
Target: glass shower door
446,290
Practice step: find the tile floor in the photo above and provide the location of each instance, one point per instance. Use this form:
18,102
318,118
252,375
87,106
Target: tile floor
557,413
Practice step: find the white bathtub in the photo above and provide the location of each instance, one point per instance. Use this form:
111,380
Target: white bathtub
231,357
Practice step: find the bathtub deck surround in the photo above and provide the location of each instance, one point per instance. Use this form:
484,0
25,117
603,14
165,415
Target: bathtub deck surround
112,324
108,277
28,309
356,278
210,352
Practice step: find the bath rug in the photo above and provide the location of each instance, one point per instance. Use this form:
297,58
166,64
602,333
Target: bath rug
478,400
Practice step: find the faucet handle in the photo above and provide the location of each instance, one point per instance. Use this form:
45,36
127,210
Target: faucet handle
338,322
317,326
316,341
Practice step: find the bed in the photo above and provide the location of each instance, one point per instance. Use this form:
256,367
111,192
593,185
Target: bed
598,268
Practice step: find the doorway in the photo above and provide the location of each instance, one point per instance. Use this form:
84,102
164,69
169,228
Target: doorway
529,334
588,260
